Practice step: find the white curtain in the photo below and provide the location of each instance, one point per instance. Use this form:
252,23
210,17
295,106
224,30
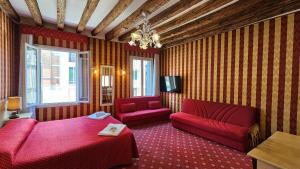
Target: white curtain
25,38
156,74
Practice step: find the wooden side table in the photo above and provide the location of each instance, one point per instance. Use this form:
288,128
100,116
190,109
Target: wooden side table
281,150
21,116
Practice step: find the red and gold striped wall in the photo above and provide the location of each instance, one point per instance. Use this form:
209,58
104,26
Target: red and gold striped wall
7,52
103,53
257,65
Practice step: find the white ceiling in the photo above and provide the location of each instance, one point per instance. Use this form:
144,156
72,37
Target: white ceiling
74,10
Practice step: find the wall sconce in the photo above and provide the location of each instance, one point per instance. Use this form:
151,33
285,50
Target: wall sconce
123,72
95,71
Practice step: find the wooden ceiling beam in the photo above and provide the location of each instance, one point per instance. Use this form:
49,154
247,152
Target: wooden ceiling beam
7,8
87,13
61,12
259,11
184,23
165,15
199,11
201,23
35,11
148,7
113,14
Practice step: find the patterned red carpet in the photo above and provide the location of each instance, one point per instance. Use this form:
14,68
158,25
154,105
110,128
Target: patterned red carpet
163,147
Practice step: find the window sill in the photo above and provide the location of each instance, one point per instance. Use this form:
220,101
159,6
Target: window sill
58,104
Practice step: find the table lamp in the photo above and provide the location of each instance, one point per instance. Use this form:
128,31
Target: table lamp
14,105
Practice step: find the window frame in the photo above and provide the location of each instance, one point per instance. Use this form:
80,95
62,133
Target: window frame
88,74
142,73
37,74
39,70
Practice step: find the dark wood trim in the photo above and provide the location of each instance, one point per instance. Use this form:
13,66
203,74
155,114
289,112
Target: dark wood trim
233,17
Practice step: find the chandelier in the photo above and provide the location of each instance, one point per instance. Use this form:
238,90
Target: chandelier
145,36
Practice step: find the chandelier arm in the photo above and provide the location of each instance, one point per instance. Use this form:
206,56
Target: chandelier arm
145,36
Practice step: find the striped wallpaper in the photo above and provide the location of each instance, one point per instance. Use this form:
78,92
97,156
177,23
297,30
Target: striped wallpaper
257,65
103,53
7,40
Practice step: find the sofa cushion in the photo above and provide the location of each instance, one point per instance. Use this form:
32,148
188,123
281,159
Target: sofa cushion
154,105
189,106
141,103
128,107
234,132
143,114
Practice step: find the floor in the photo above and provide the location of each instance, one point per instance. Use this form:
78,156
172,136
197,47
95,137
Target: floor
163,147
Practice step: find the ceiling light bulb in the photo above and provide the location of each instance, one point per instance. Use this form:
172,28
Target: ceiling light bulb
135,36
158,45
131,43
155,37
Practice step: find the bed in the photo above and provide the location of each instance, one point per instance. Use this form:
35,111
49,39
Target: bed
64,144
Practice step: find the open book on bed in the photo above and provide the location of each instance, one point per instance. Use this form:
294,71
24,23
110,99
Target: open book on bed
112,130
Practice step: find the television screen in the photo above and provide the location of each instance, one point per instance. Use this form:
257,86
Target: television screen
170,84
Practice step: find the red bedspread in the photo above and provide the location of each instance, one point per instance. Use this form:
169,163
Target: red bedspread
64,144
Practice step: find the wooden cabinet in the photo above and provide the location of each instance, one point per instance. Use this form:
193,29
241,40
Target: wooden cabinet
281,150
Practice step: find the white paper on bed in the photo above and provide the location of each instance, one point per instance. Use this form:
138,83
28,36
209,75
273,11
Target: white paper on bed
99,115
112,130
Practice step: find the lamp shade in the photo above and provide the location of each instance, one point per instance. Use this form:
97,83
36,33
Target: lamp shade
14,103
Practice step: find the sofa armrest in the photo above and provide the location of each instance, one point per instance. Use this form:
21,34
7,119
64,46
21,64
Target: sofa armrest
254,136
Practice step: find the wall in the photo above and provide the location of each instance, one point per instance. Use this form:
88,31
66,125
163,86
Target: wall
257,65
8,79
7,39
103,53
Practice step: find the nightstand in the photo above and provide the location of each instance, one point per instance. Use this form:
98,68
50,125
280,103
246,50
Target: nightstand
25,115
21,116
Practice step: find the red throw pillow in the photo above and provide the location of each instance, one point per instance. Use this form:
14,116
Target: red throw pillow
154,105
128,107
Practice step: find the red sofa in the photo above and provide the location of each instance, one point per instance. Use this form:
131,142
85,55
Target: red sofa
139,110
224,123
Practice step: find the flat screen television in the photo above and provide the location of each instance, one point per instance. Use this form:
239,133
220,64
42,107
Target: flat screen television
170,84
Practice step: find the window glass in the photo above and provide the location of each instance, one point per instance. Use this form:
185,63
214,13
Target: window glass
137,80
147,78
58,76
84,78
31,74
142,77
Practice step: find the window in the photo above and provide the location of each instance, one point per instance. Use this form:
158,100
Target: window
72,75
141,76
31,74
57,77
